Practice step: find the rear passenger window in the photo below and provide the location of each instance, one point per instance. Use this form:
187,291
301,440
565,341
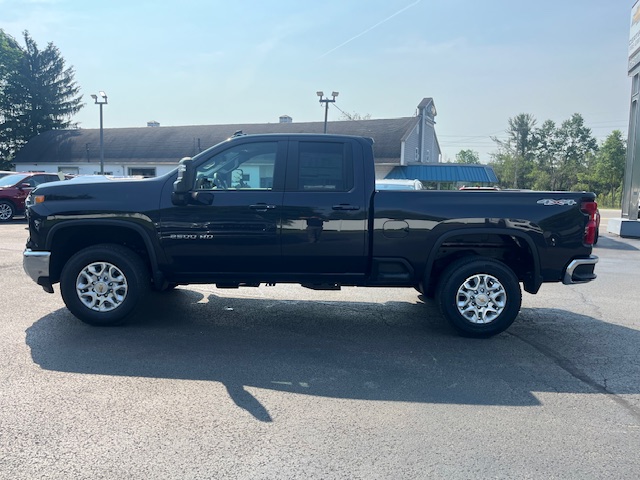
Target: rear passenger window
38,179
325,167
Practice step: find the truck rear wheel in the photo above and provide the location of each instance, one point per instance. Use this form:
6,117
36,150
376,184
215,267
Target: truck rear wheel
103,284
480,297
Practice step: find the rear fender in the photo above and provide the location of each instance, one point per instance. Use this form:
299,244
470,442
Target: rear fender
531,285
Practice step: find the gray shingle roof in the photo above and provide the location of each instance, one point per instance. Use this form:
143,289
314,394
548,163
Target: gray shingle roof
169,144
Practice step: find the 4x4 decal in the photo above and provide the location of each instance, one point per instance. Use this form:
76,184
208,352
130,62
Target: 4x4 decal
551,201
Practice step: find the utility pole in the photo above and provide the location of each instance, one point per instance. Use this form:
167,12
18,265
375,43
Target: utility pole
101,101
326,102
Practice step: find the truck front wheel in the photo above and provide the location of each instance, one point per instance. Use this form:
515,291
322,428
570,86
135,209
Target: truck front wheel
102,284
480,297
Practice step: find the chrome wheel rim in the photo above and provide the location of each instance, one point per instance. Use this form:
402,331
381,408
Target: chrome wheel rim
101,287
5,211
481,299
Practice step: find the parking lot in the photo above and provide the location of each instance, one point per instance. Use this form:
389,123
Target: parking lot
285,382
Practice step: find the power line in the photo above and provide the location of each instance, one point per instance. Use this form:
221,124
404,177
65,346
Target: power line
343,112
350,117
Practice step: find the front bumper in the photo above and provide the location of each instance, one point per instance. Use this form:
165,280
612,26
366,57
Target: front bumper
36,265
580,270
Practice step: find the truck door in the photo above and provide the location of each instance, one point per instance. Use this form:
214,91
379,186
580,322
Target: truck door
324,213
231,222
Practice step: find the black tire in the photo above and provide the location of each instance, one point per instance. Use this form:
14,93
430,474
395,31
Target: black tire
103,284
7,210
485,311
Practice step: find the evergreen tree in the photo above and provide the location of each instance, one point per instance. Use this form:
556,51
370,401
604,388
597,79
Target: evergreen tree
10,55
37,93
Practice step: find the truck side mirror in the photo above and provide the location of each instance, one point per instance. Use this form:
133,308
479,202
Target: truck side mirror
184,183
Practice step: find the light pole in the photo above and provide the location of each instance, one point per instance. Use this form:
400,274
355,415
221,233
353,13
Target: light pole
326,102
101,101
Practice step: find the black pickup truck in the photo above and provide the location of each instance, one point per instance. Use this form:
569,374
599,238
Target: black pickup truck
303,209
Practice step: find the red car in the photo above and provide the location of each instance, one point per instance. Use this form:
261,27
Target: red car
15,188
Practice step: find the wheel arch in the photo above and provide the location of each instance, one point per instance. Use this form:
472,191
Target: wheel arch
68,237
524,243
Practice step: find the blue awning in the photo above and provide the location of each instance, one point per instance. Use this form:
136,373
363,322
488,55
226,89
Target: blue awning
439,172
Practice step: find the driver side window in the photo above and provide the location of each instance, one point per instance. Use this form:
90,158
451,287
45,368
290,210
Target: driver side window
242,167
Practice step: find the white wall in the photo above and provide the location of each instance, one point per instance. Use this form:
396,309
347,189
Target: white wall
91,168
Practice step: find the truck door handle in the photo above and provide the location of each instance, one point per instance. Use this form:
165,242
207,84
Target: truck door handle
261,207
346,206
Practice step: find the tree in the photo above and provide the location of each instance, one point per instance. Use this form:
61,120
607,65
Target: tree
516,153
10,54
469,157
545,157
609,166
355,116
38,93
575,146
503,165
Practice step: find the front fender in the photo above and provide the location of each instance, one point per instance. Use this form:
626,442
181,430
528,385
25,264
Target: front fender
71,235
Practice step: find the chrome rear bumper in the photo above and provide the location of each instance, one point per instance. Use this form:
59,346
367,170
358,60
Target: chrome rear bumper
580,270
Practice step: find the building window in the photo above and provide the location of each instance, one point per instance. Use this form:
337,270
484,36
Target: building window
417,156
145,172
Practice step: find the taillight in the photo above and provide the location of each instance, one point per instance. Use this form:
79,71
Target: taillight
591,209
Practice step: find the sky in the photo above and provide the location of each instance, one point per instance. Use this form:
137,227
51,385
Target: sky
202,62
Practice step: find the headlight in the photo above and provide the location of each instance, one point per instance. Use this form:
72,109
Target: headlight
33,200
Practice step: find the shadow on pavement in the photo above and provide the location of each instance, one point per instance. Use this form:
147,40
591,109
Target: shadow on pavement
613,244
397,351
